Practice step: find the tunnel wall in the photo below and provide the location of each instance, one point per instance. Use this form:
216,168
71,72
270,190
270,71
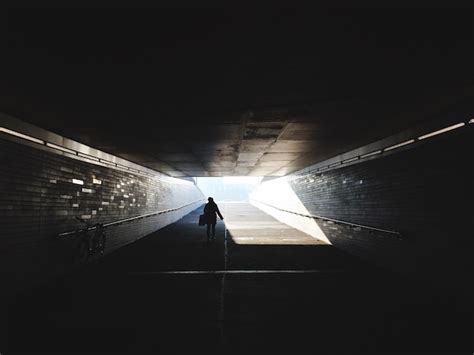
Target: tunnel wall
422,192
40,200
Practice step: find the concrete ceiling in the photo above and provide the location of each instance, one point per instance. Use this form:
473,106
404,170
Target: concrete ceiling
193,92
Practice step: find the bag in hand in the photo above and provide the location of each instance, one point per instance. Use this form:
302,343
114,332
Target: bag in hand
202,220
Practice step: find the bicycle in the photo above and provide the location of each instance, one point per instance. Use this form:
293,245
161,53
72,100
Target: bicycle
90,244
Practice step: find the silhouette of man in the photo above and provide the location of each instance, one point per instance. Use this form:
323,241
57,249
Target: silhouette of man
210,211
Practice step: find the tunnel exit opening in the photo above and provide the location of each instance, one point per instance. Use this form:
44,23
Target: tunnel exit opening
249,221
229,188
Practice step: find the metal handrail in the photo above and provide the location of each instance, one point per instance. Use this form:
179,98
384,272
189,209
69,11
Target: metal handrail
336,221
131,219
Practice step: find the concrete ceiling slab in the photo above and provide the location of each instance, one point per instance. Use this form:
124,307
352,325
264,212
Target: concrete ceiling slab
176,157
245,164
279,156
257,145
187,165
272,126
241,170
275,164
160,166
214,145
210,132
219,164
249,157
292,146
298,135
141,158
302,126
261,133
223,94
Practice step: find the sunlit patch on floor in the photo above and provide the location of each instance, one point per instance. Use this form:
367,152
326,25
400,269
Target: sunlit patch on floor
258,228
278,192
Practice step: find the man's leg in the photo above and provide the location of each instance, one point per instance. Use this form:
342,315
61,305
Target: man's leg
213,231
208,231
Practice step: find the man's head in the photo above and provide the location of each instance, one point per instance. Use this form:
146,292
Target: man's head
210,199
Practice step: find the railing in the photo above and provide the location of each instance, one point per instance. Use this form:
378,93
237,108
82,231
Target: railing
131,219
336,221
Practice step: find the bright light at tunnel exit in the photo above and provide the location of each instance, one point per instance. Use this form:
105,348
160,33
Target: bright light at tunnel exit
228,188
274,192
242,179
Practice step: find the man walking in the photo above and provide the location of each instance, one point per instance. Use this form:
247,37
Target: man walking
210,211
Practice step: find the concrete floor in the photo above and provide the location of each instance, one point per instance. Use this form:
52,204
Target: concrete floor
261,286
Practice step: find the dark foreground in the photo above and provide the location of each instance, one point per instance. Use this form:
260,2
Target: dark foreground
261,287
